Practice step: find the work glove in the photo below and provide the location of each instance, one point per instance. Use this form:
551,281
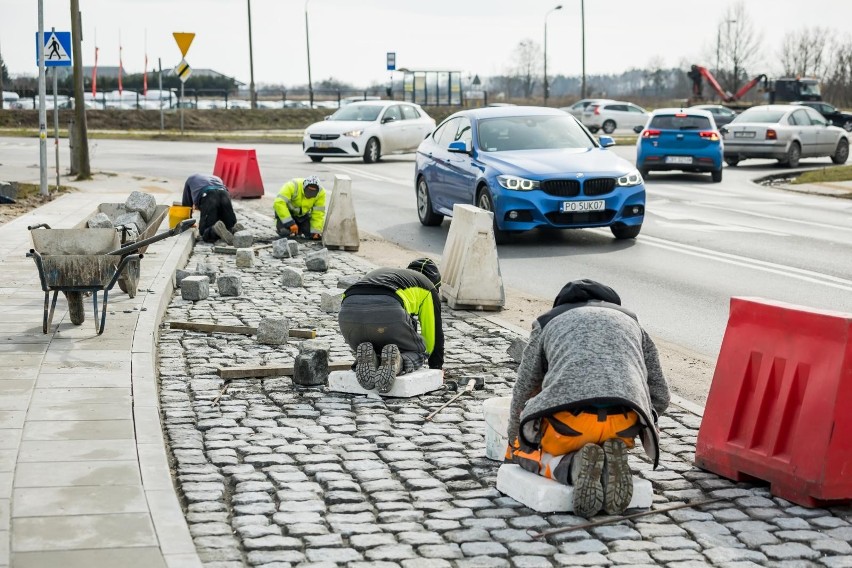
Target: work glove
294,230
316,236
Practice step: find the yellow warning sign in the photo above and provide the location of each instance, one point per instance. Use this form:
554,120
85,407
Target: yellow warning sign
184,40
183,70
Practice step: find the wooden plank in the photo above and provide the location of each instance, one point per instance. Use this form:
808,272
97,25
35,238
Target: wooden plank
260,371
238,329
225,250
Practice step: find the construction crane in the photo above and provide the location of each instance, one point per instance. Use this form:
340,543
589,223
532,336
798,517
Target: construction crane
785,89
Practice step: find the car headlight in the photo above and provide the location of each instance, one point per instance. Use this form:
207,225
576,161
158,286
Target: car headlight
517,183
354,133
631,179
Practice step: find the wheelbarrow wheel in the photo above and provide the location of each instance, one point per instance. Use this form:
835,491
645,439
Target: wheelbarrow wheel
75,307
129,281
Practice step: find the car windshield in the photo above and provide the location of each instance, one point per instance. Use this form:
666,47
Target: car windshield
756,115
366,113
540,132
675,122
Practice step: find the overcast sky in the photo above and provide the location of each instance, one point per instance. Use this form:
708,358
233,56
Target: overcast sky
350,38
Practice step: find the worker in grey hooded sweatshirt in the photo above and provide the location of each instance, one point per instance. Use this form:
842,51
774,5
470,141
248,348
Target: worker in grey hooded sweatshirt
589,382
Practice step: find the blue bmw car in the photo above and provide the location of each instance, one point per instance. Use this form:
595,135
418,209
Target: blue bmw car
531,167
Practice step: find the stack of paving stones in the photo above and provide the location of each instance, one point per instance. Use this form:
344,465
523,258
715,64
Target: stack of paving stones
275,475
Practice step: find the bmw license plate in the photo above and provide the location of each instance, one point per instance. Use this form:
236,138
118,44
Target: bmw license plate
577,206
678,159
322,144
743,134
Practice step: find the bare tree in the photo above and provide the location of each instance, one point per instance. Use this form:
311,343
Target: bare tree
838,80
655,76
804,52
739,44
527,63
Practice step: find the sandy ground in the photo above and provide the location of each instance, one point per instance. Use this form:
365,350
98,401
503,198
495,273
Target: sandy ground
689,374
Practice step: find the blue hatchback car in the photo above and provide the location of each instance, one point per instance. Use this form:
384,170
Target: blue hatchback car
531,167
680,139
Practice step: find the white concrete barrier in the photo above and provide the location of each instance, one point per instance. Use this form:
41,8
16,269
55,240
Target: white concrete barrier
470,270
544,495
405,386
341,227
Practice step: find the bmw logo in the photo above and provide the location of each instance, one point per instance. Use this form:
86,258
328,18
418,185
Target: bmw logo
579,176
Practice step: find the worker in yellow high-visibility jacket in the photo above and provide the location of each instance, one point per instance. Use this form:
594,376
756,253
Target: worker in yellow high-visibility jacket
300,208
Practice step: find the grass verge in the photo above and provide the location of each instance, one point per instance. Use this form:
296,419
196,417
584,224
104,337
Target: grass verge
825,175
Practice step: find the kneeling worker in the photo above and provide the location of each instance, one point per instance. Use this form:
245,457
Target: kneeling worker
209,195
589,382
300,209
395,312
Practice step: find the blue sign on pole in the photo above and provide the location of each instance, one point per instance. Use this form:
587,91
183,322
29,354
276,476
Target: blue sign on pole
391,61
57,49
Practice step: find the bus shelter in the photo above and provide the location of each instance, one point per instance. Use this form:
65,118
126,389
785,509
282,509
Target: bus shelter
432,88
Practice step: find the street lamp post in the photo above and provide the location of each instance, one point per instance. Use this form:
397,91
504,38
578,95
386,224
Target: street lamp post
583,34
719,42
546,86
308,44
252,93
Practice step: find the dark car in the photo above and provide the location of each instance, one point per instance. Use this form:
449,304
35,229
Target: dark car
721,115
834,116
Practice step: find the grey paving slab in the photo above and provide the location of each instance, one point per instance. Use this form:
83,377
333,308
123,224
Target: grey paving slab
76,450
148,557
12,418
10,438
80,411
101,379
62,474
80,532
7,459
79,430
78,500
93,395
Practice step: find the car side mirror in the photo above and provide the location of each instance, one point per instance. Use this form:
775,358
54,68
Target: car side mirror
723,131
388,119
606,141
638,129
459,147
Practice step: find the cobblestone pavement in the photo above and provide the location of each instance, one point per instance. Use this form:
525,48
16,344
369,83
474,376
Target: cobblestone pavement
275,475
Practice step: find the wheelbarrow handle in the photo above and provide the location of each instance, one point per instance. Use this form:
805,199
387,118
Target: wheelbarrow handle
121,266
34,254
181,227
39,226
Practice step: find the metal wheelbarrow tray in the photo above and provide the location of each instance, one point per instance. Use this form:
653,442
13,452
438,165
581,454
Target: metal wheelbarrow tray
76,261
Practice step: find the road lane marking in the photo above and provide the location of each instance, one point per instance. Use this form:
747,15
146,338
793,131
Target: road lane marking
369,175
704,227
776,218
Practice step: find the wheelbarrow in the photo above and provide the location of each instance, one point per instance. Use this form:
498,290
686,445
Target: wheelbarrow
128,281
77,261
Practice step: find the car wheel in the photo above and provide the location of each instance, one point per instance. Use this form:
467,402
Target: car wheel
424,206
484,201
372,152
593,129
316,158
621,231
841,154
609,126
794,154
717,175
732,161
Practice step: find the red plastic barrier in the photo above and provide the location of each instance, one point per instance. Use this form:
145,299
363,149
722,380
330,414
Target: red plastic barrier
240,172
780,405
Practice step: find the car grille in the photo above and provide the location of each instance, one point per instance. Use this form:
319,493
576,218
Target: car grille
561,187
598,186
584,218
313,150
325,136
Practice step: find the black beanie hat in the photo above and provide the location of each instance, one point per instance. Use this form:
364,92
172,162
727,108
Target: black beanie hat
428,268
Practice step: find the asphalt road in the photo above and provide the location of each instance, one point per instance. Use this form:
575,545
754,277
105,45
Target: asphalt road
701,243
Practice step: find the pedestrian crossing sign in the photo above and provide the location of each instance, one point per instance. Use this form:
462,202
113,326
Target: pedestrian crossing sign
57,49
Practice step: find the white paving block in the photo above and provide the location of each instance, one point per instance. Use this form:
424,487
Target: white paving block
547,496
405,386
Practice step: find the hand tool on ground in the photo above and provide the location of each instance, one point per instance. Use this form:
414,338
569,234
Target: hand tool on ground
477,383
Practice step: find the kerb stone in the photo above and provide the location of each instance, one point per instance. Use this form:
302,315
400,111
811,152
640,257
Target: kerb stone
245,258
292,277
311,368
143,203
243,239
273,331
195,288
317,261
181,274
100,221
229,285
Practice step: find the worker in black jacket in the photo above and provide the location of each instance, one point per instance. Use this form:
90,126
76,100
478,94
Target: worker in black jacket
209,195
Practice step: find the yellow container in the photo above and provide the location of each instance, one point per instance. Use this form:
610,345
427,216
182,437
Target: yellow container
178,213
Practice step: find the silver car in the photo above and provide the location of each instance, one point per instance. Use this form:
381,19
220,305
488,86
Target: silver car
786,133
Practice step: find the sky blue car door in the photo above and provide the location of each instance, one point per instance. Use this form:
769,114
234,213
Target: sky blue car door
439,188
461,172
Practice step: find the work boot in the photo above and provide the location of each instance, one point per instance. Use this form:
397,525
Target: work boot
617,481
365,365
389,367
586,470
223,233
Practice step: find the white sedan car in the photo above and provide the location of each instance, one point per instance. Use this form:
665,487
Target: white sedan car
609,115
368,129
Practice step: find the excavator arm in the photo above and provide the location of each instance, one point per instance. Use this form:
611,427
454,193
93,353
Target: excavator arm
726,96
749,86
